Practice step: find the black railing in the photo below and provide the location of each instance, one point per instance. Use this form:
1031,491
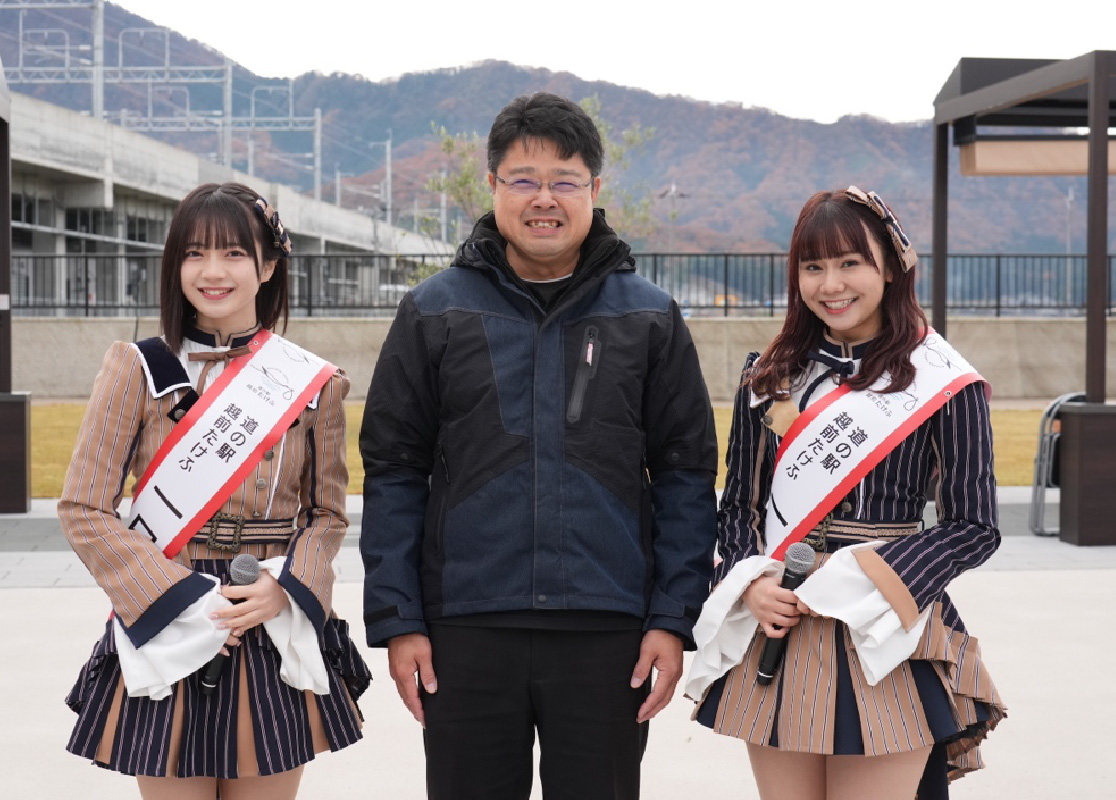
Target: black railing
714,284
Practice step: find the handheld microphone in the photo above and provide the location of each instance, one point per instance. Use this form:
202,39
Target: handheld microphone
796,566
243,570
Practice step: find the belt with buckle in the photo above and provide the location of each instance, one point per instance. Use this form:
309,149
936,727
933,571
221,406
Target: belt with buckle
215,521
228,532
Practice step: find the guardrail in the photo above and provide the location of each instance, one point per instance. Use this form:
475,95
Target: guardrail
712,284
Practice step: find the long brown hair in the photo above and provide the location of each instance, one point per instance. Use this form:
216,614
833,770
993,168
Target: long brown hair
829,225
220,215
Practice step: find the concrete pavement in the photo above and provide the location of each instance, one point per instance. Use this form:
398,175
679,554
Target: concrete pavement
1056,743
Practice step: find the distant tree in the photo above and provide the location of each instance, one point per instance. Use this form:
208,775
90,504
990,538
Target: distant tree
628,206
463,178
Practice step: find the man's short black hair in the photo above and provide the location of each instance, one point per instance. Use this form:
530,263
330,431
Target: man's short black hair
551,118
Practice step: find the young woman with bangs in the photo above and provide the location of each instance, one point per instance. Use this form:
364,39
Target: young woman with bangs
854,418
222,669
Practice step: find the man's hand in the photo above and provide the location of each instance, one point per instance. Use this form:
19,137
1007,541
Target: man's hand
663,651
407,655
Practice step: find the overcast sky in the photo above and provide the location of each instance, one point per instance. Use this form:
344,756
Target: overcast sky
816,59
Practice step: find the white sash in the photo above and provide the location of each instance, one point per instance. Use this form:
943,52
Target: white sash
223,436
837,440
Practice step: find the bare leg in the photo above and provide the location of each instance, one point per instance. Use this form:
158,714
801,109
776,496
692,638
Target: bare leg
176,788
281,786
780,775
875,777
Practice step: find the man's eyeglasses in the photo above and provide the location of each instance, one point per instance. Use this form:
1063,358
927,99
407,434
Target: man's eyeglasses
530,186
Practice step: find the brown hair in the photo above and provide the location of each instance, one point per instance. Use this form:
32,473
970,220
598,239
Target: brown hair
220,215
829,225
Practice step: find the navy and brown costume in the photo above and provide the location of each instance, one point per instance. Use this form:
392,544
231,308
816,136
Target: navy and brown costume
820,701
291,505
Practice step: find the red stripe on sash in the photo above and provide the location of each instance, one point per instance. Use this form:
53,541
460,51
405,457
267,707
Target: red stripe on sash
250,463
231,370
920,415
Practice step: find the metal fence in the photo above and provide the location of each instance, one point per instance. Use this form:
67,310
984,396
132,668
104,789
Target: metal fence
716,284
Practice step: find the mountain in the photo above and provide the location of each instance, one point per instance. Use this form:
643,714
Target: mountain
741,174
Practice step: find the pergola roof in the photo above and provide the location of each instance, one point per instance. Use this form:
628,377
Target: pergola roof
1022,92
1039,94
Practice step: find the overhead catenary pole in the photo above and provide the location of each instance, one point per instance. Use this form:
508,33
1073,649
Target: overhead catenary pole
98,98
317,154
226,119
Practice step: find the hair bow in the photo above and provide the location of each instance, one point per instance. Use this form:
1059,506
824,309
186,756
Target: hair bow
907,255
271,218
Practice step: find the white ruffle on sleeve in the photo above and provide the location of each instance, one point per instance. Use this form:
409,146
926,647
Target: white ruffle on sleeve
840,589
191,640
726,626
294,637
183,647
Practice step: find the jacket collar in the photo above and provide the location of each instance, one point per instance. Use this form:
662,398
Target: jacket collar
601,252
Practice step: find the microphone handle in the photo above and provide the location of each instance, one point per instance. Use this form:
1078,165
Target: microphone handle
772,653
212,672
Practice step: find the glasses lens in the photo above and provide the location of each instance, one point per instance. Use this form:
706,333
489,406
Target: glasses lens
565,187
524,186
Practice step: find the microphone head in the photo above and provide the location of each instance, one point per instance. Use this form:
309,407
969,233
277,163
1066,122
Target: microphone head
245,568
799,558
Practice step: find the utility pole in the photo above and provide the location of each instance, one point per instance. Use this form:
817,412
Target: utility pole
674,195
388,199
442,208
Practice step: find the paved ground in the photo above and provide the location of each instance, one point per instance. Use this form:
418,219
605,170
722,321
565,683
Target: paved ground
1056,743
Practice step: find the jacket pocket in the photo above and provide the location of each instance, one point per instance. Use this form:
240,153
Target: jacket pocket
439,495
588,357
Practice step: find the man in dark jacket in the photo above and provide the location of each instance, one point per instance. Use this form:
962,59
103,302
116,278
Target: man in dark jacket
539,512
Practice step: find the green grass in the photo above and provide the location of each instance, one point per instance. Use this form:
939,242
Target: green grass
54,428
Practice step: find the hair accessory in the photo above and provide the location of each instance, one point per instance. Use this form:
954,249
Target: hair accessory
271,218
907,255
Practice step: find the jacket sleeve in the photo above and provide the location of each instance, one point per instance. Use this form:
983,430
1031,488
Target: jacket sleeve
682,468
308,574
397,440
748,471
147,590
914,571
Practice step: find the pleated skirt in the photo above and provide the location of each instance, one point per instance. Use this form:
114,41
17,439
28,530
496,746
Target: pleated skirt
253,724
820,702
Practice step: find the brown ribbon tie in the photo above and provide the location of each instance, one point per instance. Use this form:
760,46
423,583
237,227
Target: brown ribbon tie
211,358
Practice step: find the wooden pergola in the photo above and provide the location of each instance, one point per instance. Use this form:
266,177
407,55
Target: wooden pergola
1030,98
1044,117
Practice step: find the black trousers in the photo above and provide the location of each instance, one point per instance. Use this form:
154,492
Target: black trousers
497,686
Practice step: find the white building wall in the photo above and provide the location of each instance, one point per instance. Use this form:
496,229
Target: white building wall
92,163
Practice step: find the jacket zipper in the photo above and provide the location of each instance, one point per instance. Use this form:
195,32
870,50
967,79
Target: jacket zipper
586,368
443,505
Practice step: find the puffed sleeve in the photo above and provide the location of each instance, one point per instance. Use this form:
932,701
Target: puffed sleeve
308,574
146,589
884,593
914,571
748,470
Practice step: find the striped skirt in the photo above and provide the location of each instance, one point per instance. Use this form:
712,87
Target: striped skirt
254,724
821,703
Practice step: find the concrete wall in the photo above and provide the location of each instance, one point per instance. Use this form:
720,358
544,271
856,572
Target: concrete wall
1038,359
